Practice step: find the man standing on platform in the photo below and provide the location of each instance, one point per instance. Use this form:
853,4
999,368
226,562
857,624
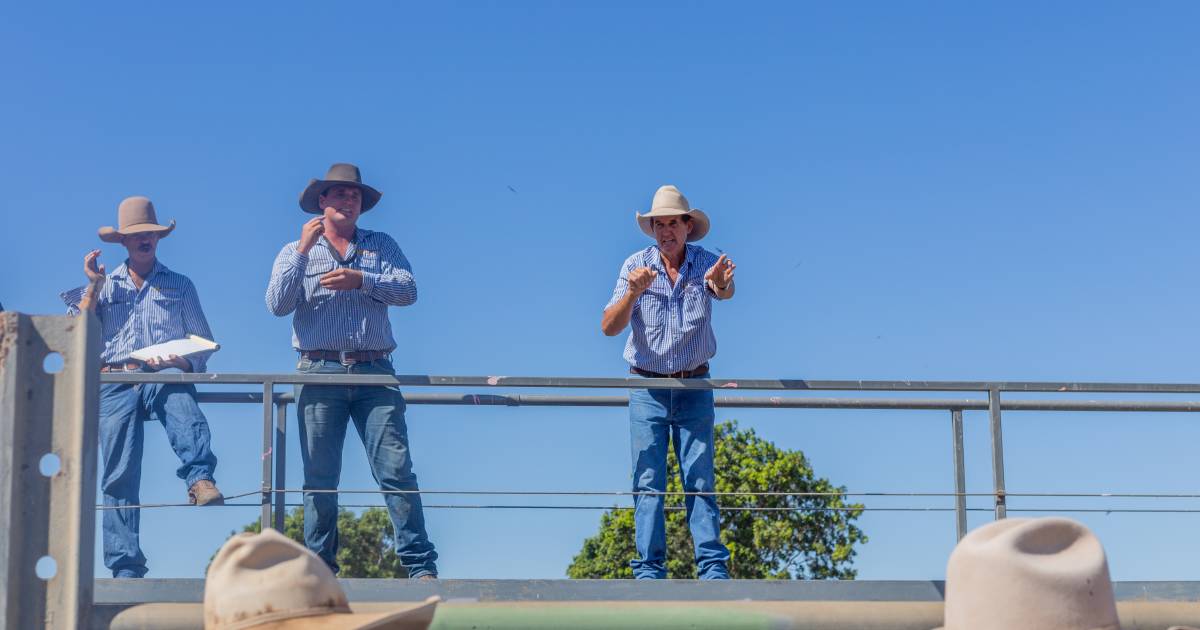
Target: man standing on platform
140,304
339,280
665,292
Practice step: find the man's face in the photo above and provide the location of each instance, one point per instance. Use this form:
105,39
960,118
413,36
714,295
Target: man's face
141,246
671,233
342,204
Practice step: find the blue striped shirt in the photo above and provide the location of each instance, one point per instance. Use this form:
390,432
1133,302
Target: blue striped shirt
164,309
670,329
342,320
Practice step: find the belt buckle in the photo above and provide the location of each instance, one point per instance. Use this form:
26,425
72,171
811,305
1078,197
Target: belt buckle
344,360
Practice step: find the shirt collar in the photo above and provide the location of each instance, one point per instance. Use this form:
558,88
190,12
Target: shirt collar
689,256
122,272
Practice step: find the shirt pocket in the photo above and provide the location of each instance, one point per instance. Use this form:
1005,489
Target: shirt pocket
312,278
652,307
697,304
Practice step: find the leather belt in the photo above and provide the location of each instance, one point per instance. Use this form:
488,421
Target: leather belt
698,371
126,366
345,357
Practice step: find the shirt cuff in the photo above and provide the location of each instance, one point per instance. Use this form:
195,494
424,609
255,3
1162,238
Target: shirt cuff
72,297
369,280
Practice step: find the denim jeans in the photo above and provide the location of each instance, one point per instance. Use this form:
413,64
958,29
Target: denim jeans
686,418
123,409
378,415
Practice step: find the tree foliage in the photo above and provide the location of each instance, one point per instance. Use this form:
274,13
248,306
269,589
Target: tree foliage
367,544
814,538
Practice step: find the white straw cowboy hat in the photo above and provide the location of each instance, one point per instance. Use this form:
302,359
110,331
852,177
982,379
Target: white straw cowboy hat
669,202
339,174
1031,574
269,582
134,216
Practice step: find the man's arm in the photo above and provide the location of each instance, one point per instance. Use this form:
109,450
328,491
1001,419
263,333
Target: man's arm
629,287
286,288
194,323
394,285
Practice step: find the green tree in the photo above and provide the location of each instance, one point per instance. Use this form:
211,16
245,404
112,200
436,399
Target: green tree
812,538
366,542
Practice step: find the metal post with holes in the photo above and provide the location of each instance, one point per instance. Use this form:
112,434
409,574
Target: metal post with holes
47,469
997,452
960,474
268,433
280,464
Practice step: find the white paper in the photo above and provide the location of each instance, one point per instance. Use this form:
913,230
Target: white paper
181,347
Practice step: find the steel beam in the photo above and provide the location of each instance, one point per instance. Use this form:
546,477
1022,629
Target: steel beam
47,519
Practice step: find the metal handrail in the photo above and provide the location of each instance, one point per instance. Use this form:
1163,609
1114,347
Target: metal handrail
273,491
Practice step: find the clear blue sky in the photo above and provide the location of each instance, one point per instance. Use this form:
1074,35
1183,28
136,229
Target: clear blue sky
910,190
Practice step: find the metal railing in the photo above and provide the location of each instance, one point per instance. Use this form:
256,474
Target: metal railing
274,405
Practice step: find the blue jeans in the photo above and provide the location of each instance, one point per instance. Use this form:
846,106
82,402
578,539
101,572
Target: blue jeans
378,414
686,417
123,408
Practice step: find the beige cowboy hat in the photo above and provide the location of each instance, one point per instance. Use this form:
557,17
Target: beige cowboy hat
1029,573
134,216
669,202
339,174
269,582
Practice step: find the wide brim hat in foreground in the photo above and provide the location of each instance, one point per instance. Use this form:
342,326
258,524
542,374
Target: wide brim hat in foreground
135,215
1029,573
269,582
338,174
669,202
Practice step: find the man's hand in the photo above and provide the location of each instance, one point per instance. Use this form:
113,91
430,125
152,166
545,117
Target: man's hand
309,234
640,279
720,275
171,361
94,270
342,279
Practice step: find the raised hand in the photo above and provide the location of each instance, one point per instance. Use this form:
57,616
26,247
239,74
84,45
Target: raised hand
94,270
721,273
640,279
342,279
312,230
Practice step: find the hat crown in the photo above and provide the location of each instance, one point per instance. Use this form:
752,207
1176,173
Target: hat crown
1034,574
343,172
669,198
136,211
257,578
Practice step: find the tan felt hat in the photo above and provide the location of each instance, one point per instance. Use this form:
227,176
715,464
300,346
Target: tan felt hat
338,174
669,202
269,582
1029,573
135,215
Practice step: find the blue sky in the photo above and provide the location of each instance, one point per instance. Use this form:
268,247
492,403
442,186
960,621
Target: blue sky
925,190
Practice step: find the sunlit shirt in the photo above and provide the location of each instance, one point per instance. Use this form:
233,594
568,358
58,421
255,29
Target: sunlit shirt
671,326
164,309
342,320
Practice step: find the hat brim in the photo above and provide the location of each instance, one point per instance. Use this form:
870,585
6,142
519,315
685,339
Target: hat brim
408,618
646,221
112,235
311,194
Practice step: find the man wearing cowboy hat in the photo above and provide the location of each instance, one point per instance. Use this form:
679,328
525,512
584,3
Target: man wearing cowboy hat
664,293
142,303
338,281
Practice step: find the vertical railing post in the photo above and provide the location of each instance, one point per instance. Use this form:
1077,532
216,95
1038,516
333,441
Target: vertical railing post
280,464
960,474
268,432
997,452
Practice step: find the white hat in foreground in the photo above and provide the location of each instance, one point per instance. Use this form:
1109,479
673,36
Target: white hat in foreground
269,582
1032,574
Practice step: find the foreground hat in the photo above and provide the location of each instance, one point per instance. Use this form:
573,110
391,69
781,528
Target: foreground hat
269,582
1032,574
338,174
669,202
135,215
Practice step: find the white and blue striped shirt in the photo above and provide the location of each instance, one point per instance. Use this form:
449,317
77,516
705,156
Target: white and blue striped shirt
164,309
670,329
342,320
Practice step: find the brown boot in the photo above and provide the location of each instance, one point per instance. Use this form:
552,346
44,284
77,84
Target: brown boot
204,492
